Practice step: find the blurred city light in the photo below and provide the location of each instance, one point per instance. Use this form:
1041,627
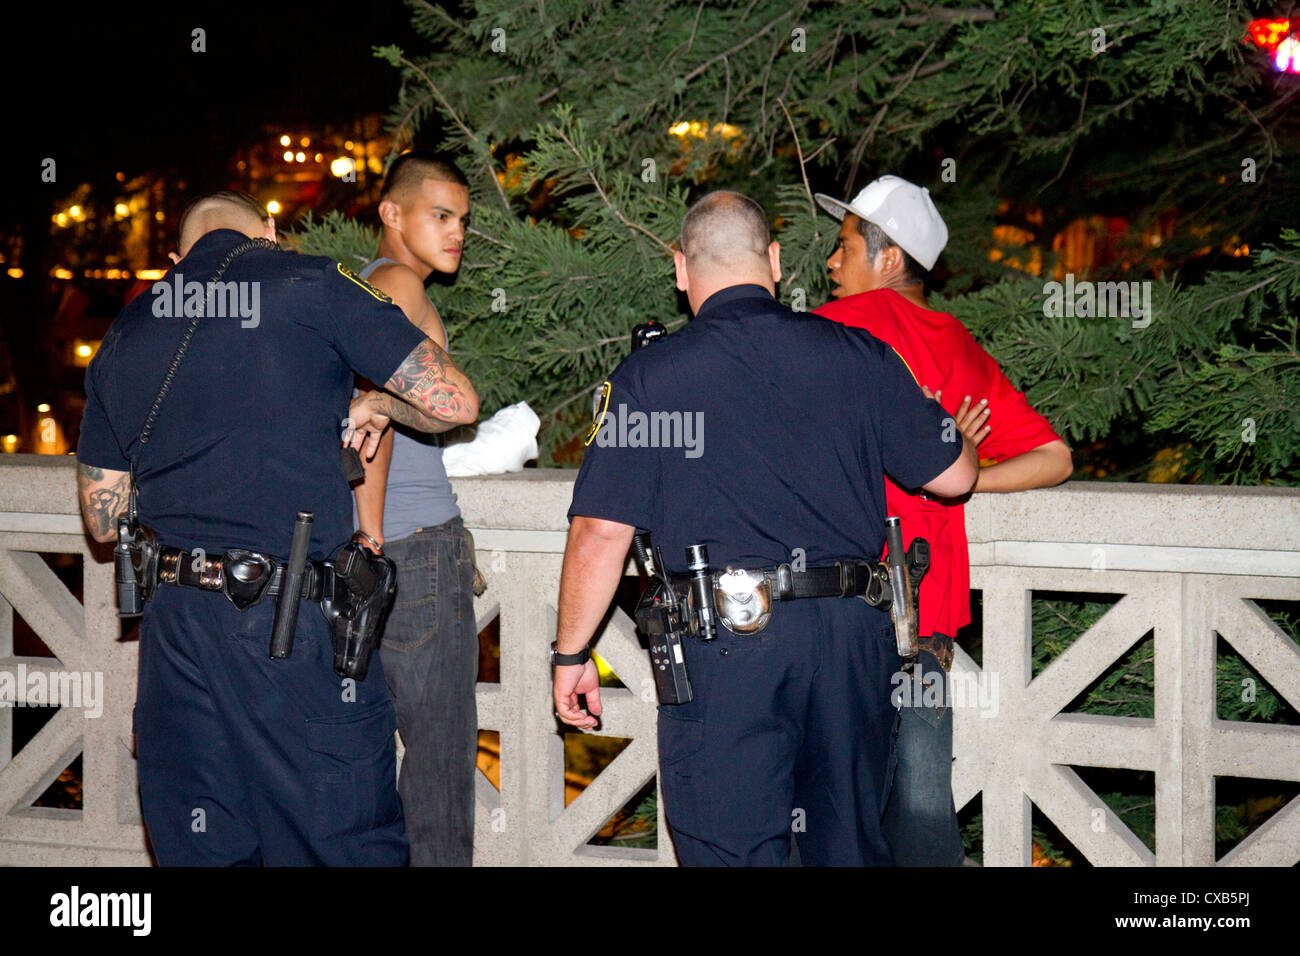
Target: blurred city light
1287,59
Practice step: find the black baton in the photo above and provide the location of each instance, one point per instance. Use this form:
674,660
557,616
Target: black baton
286,608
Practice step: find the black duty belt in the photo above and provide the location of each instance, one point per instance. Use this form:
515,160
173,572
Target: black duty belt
177,566
842,579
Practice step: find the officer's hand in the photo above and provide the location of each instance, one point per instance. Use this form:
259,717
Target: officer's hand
570,681
366,423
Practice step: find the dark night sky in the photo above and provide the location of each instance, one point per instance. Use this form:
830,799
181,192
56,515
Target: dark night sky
117,87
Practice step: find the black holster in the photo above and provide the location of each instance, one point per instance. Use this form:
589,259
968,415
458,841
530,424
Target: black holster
135,561
356,601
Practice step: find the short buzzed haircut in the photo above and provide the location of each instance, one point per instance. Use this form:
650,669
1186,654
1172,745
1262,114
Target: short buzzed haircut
877,239
725,229
412,168
226,208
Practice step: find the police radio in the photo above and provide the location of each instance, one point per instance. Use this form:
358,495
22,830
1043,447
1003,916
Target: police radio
647,332
664,618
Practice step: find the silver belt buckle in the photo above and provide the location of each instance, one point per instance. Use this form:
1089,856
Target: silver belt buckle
743,600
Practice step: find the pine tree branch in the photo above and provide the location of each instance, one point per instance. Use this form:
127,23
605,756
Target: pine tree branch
726,96
1238,295
459,122
443,13
903,83
813,154
1074,139
945,15
571,399
483,235
812,205
735,49
591,175
695,25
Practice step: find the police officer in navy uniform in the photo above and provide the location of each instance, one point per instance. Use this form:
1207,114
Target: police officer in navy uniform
245,759
795,420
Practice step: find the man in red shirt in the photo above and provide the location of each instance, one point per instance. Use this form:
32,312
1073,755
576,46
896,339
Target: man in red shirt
889,240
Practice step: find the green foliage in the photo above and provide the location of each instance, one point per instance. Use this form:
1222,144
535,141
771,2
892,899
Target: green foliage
556,109
1128,689
336,236
1177,376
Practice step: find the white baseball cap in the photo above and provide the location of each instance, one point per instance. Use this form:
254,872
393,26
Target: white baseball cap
903,210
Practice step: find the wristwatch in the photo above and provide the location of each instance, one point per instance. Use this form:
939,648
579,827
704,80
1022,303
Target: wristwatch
565,660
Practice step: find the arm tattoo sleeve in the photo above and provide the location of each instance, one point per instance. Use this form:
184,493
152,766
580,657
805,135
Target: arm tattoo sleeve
432,393
102,498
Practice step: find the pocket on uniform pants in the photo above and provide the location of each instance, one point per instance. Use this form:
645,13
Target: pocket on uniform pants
679,737
353,771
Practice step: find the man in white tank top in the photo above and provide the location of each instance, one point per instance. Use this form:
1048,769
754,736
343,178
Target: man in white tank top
405,504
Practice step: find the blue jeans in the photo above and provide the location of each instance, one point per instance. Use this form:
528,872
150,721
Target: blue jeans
430,655
920,822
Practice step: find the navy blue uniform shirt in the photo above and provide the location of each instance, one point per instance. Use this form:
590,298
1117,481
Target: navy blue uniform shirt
777,426
250,431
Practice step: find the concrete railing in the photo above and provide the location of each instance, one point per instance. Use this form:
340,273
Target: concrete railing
1189,563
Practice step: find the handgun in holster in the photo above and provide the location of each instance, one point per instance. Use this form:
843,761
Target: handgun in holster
357,599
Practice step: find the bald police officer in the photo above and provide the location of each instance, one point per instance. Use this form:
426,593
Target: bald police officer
790,727
245,759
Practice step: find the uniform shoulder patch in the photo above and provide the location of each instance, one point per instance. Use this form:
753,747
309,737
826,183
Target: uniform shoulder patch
599,407
349,274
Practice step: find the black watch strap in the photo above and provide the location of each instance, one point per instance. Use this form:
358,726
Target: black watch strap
565,660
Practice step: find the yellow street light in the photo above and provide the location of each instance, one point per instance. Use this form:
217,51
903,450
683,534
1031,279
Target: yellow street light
284,140
273,207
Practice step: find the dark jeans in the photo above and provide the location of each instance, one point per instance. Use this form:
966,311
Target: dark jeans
920,820
430,655
245,760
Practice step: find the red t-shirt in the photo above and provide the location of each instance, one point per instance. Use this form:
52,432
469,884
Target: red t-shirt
944,357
